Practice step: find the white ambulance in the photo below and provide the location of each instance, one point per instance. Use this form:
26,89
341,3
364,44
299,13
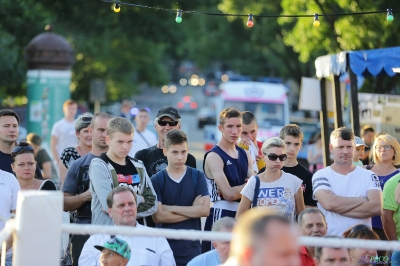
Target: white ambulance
267,101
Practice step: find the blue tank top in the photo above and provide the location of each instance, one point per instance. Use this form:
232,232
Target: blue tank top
235,170
376,220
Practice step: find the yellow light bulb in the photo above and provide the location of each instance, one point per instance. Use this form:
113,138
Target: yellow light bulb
117,8
316,23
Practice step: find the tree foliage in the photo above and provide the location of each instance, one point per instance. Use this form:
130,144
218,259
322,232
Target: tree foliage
142,46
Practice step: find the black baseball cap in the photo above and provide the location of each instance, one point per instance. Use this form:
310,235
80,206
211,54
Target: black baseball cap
169,111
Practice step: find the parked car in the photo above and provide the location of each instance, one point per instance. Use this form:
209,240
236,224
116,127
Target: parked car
187,104
205,116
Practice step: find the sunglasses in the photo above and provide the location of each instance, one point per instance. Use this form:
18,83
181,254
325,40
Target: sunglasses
86,119
274,157
163,123
22,148
359,227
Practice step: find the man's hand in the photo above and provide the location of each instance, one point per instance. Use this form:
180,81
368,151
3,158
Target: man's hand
87,196
199,200
258,157
244,143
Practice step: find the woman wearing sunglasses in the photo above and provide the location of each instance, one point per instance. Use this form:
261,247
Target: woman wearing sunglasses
364,257
385,154
24,166
273,188
83,132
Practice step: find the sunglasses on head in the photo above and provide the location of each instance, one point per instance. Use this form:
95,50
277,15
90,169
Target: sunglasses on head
163,123
359,227
274,157
22,148
86,119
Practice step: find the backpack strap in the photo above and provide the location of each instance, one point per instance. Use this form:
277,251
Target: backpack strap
256,191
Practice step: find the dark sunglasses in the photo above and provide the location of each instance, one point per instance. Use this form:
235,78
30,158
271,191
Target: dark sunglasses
359,227
163,123
86,119
274,157
22,148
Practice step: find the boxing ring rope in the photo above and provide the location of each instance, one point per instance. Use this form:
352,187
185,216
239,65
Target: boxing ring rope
37,232
209,236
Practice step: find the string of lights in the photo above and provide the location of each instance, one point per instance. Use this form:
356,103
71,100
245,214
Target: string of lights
250,17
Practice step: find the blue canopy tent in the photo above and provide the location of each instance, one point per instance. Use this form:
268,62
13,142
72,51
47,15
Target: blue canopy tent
356,63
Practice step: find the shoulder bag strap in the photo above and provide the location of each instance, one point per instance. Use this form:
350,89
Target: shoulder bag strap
256,191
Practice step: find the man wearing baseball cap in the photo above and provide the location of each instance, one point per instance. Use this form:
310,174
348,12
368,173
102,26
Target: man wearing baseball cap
359,150
115,252
154,160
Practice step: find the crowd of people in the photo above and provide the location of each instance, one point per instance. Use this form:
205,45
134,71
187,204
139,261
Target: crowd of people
107,180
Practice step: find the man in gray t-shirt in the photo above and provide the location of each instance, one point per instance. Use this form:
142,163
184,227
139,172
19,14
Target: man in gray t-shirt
77,197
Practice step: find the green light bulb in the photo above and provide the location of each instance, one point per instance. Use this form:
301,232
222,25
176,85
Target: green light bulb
178,19
390,18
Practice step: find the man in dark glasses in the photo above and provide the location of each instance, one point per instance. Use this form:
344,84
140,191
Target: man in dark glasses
9,122
168,118
347,195
227,167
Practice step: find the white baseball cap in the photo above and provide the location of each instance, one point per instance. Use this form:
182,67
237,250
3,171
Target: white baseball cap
360,142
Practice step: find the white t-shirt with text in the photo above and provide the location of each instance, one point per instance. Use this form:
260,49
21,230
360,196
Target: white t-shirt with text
355,184
64,131
278,195
9,188
139,141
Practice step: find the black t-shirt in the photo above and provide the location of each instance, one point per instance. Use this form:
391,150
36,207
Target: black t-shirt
366,161
127,174
5,165
306,176
42,157
48,185
155,161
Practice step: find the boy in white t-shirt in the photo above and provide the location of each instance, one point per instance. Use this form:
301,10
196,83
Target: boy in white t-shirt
347,195
9,188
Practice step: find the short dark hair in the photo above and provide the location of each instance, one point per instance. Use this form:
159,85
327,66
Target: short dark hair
22,151
175,137
8,112
117,190
229,113
34,139
366,129
102,115
309,210
291,130
318,250
248,117
144,110
343,133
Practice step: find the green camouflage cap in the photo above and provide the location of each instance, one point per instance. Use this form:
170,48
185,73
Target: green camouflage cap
117,245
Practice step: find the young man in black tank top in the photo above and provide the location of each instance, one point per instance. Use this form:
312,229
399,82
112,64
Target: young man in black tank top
227,168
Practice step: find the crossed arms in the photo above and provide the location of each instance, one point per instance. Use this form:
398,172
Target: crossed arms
352,207
176,214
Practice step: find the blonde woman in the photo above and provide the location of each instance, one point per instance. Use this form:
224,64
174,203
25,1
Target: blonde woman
385,154
273,188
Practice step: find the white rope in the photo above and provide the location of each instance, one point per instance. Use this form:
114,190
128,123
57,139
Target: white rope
196,235
144,231
7,231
